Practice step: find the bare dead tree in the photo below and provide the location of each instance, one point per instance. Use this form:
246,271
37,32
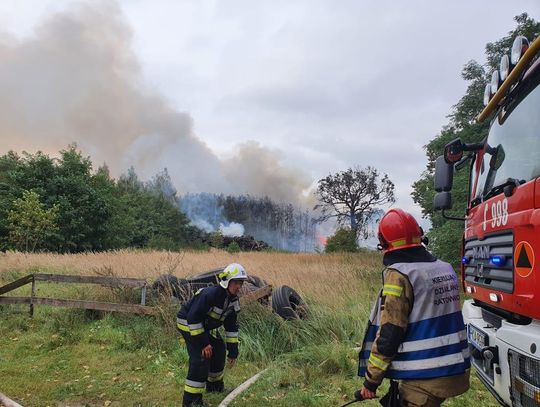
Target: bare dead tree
352,196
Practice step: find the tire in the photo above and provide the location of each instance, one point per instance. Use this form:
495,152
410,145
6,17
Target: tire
209,277
169,285
166,284
288,304
248,288
257,281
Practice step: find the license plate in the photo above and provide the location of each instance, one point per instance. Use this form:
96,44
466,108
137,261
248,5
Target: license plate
477,338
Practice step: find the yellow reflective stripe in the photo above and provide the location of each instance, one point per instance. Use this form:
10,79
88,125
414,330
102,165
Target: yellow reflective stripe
386,292
375,361
193,390
231,340
390,289
214,315
229,274
400,242
416,240
196,332
183,327
215,378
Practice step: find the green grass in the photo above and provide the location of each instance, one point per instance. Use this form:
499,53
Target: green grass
87,358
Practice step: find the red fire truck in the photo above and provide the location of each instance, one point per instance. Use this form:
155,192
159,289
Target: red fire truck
501,240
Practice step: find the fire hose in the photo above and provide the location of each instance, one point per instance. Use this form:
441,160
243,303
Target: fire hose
390,399
357,397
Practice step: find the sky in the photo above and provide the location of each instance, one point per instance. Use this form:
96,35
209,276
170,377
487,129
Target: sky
262,97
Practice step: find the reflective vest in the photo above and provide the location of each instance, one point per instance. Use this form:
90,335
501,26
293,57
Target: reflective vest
435,343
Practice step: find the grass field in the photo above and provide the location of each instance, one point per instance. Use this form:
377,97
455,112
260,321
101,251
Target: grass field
64,357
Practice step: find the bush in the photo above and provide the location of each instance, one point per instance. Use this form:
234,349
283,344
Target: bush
233,247
344,240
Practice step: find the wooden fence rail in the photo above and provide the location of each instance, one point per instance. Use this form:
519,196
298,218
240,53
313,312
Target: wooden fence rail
141,308
69,303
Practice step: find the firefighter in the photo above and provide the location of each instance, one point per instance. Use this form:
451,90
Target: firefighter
416,332
198,321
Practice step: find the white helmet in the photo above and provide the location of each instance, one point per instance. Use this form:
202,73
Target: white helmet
233,271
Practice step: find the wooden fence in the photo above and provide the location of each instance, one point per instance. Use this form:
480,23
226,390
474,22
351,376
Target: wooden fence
141,308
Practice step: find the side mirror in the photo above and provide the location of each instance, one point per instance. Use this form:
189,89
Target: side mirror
444,175
442,201
497,157
453,151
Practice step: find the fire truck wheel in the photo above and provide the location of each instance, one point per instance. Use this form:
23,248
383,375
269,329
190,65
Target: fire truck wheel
288,304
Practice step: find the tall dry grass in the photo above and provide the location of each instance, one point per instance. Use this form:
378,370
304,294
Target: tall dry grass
321,277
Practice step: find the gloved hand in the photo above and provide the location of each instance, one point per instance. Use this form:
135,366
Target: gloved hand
367,394
207,352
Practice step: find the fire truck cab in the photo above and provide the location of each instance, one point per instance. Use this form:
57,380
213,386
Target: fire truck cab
501,240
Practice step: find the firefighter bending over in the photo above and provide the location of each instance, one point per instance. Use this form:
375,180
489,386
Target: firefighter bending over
416,332
198,321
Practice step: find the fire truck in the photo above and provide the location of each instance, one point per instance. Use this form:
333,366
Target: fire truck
501,240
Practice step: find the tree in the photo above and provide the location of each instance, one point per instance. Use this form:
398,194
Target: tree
29,223
344,240
94,212
352,197
445,236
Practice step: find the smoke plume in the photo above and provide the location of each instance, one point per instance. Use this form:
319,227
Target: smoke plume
77,79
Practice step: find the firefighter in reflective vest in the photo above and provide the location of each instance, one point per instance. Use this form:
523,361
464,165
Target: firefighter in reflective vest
198,321
416,332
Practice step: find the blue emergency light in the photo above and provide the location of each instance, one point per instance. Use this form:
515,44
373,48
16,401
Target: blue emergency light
497,260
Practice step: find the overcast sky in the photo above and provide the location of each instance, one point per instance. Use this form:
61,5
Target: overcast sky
320,85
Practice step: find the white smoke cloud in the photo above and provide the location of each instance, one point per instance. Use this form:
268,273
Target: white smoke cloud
232,229
203,224
77,79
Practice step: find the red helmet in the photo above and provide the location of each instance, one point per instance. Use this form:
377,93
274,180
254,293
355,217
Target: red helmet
399,230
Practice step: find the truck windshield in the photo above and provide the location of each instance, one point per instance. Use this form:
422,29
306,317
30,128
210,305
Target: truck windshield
513,147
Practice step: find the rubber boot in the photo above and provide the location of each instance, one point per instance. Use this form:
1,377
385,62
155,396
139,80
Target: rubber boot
215,387
193,400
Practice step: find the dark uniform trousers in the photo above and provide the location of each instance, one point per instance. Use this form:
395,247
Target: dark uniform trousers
203,373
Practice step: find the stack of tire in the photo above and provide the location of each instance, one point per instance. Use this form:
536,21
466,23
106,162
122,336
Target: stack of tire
286,302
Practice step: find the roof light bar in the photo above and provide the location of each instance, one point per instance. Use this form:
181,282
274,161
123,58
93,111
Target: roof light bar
522,64
487,94
519,47
504,67
495,81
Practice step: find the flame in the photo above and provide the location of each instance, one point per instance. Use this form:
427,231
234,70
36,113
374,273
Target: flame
322,240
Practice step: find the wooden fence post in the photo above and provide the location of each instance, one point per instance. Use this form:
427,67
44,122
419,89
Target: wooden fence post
32,296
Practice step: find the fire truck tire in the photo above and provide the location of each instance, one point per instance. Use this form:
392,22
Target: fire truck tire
288,304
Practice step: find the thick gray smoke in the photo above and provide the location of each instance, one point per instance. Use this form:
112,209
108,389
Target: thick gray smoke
77,80
207,214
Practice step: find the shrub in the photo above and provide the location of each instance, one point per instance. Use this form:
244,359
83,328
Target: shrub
344,240
233,247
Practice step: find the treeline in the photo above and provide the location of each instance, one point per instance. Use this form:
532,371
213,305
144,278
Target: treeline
62,205
282,225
